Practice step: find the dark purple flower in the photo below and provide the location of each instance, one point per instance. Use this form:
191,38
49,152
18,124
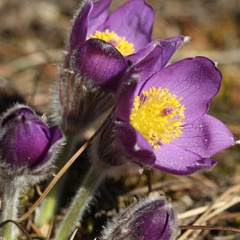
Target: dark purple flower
25,141
133,21
98,60
161,121
129,28
91,59
150,218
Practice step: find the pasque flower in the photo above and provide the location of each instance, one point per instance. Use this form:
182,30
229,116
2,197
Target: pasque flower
161,121
27,145
99,41
129,28
149,218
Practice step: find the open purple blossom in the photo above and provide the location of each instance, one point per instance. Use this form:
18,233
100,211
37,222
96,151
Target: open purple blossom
26,143
113,33
126,28
150,218
99,59
161,121
88,58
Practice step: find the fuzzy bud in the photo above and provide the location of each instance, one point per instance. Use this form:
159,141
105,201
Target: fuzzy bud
27,145
150,218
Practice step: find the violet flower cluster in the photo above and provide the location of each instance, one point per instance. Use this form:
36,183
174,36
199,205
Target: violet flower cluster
157,116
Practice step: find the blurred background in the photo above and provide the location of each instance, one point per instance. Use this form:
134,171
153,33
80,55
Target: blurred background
32,40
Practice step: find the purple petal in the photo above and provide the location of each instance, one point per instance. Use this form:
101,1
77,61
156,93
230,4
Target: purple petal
98,15
195,80
134,144
133,20
25,141
176,160
80,25
153,220
55,137
100,64
150,218
206,136
24,137
31,140
13,113
154,57
167,46
126,98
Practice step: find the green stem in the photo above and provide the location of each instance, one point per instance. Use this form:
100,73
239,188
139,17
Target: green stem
9,212
49,205
80,202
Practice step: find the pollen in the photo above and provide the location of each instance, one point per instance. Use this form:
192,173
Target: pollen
158,115
120,43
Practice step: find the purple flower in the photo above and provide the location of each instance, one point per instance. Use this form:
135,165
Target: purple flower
98,42
129,28
161,121
89,55
150,218
27,144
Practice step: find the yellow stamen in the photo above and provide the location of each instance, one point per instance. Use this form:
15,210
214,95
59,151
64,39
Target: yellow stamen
158,115
120,43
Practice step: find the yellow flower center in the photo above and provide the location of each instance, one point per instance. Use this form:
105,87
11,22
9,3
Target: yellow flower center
158,115
120,43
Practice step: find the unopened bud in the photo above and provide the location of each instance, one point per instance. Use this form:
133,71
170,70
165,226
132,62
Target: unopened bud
150,218
27,145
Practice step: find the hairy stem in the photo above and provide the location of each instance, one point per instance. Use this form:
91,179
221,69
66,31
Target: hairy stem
80,202
9,212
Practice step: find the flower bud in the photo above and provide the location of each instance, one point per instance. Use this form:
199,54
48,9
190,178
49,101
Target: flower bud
150,218
27,145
